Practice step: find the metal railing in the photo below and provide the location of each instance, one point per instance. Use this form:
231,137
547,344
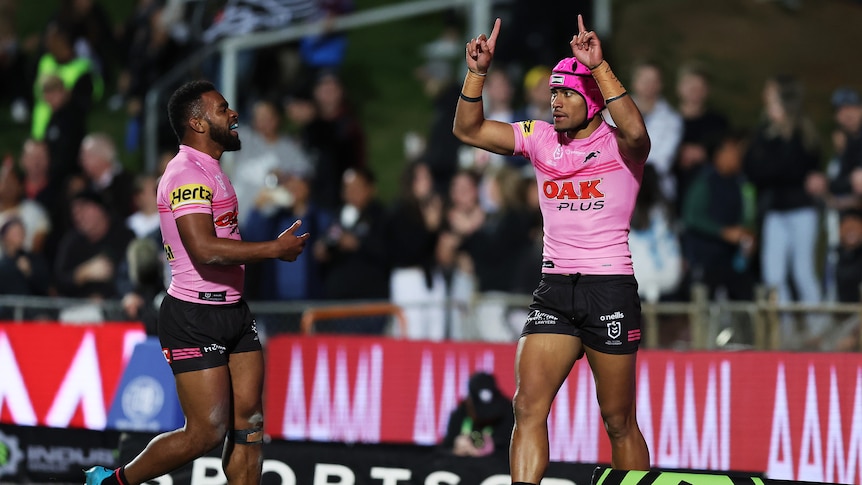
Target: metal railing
704,324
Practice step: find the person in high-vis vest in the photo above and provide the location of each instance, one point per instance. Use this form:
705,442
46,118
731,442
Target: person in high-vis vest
79,75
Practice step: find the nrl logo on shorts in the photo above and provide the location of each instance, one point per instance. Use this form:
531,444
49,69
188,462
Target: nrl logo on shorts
614,330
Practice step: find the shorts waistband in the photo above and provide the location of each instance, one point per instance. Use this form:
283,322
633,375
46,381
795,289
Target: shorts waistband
586,279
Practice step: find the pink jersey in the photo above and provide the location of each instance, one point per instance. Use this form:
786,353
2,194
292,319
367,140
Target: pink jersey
587,194
194,183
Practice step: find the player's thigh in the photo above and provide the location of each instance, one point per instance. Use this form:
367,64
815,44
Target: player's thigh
614,375
247,374
205,397
542,363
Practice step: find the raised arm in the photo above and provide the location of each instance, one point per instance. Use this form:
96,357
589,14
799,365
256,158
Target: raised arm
631,132
470,125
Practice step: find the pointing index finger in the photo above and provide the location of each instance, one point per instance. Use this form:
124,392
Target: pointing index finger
581,27
495,31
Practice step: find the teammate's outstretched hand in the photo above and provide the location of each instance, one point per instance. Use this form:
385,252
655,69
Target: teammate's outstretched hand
290,246
480,50
586,46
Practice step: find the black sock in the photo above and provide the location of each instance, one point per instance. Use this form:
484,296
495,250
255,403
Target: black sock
117,478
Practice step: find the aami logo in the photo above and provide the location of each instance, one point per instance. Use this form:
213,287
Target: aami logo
566,190
527,127
191,194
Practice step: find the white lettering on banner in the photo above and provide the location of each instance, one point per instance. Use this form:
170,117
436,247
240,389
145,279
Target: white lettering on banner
81,385
644,409
779,465
295,422
207,470
444,478
453,381
712,451
835,437
360,422
505,480
324,471
811,451
575,439
13,391
668,432
424,428
391,476
708,449
337,420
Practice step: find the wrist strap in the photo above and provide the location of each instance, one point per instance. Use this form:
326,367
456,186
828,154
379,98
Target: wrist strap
473,84
611,87
471,99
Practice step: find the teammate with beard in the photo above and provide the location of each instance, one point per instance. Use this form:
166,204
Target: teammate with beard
206,330
588,175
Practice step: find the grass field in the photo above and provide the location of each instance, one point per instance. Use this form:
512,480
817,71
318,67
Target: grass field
743,41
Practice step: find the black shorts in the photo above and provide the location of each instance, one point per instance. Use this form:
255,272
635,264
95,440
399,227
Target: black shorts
603,310
195,336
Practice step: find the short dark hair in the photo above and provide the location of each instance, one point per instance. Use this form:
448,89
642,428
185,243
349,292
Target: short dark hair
184,103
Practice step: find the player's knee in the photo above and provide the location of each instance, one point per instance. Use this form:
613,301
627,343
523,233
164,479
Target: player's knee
252,434
204,438
618,425
526,408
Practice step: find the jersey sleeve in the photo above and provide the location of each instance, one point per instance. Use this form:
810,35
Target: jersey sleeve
524,131
190,192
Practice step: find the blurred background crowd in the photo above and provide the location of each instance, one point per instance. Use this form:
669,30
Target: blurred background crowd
725,203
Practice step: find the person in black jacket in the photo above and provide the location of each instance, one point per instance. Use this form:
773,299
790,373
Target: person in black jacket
482,423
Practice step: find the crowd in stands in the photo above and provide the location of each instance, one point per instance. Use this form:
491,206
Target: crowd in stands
724,205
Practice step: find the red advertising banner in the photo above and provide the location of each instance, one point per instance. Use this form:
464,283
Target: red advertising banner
62,375
788,415
791,416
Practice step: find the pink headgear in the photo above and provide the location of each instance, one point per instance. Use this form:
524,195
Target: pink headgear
571,74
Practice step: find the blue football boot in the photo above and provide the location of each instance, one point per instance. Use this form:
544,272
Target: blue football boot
96,474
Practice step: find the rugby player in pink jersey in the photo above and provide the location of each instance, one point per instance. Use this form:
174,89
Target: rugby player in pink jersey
588,175
206,330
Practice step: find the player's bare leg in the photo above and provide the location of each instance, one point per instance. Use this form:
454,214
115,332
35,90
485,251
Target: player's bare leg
542,363
615,390
243,457
205,399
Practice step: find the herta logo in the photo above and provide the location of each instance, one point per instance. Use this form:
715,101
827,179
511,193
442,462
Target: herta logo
527,127
191,194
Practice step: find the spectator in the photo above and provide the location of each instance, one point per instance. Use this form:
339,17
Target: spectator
91,251
663,123
416,283
482,423
845,185
65,131
92,32
78,74
106,175
13,65
441,148
278,280
21,272
782,161
537,95
462,217
144,222
849,269
504,232
334,139
14,205
353,249
719,214
142,302
655,248
267,154
702,125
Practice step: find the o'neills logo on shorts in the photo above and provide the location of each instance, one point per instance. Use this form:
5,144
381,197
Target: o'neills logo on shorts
191,194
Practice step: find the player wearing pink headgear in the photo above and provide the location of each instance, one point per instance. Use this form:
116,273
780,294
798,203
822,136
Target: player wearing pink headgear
588,175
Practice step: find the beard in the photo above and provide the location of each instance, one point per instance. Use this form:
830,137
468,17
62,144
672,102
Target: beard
223,137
